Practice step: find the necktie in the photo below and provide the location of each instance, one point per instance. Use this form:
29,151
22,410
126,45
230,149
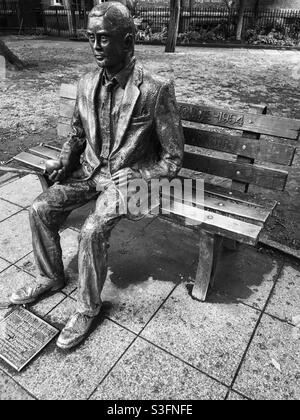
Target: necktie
106,119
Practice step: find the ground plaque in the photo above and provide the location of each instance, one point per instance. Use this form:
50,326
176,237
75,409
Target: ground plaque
22,336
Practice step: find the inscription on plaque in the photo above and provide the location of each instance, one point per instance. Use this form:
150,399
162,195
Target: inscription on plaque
22,336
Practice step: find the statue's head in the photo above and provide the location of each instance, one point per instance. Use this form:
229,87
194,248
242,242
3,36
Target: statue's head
111,33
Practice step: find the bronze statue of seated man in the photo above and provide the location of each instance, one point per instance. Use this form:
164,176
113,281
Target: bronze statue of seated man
125,126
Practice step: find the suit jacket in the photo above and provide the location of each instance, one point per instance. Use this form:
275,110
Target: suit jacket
149,134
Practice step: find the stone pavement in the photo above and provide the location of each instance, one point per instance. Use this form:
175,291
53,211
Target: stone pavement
153,341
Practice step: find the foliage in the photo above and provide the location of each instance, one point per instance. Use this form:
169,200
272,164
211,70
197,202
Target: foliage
202,35
276,34
81,34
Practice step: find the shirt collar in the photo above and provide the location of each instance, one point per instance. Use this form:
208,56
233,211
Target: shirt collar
121,78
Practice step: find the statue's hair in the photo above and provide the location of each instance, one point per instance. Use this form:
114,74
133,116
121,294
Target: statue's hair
118,16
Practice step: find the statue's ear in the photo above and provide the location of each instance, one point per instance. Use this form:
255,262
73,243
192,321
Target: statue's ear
128,41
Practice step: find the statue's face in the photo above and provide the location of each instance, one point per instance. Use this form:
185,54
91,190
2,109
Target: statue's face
107,43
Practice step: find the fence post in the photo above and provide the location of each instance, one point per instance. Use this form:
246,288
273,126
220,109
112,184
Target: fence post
181,24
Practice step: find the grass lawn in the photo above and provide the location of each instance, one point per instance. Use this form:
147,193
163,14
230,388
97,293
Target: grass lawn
236,78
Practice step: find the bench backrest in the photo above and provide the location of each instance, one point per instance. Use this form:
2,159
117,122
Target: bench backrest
237,134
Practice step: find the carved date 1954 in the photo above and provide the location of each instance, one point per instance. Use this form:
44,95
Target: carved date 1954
232,119
210,116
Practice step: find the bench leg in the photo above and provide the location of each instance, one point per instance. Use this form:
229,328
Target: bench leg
210,248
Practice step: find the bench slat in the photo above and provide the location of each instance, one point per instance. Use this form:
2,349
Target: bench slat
216,223
281,154
249,212
66,108
33,161
45,152
68,91
255,123
241,198
63,129
251,174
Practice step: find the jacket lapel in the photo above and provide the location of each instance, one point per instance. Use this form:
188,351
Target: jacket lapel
92,109
131,95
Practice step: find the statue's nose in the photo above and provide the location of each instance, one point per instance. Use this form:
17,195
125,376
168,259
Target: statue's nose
97,45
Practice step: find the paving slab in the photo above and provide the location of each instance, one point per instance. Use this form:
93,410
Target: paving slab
148,373
42,307
285,301
15,237
3,264
69,245
233,396
74,375
247,275
22,191
212,336
11,391
274,346
7,209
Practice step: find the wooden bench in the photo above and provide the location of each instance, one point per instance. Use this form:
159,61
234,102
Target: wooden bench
229,212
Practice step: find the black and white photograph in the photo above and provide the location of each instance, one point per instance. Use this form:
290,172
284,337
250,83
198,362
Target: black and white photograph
149,203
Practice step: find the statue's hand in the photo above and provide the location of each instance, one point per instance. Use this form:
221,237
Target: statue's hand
69,162
54,170
58,175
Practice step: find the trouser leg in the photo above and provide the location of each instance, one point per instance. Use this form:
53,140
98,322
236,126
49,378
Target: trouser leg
93,246
47,214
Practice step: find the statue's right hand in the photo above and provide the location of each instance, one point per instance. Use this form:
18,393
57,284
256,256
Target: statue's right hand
55,170
68,161
58,175
53,165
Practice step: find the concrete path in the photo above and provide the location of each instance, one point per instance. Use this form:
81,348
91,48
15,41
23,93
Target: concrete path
153,341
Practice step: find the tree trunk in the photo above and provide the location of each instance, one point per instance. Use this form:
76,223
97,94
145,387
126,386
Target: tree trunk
173,26
10,56
71,17
241,11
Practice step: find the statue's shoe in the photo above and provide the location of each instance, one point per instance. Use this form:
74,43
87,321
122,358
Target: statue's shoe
75,331
29,294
